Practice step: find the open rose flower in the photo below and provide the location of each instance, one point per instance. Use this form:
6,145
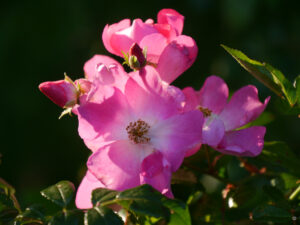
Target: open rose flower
223,119
146,136
172,52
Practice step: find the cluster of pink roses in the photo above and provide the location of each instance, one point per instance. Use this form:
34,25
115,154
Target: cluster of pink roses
138,126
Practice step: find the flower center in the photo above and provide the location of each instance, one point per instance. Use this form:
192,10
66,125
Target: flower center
207,112
137,131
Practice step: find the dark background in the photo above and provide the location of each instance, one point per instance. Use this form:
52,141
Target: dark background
40,40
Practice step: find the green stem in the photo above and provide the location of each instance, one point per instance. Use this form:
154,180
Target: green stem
295,193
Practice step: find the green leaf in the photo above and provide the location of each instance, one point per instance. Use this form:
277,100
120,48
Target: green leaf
60,193
143,200
101,215
9,191
65,218
179,212
9,206
286,86
270,213
102,195
267,74
32,214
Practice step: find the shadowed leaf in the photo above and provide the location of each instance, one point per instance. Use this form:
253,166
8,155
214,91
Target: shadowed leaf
60,193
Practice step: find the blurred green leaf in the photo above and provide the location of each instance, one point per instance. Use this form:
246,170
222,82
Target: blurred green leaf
247,196
270,213
279,154
276,196
267,74
101,195
60,193
179,212
101,215
7,215
235,171
5,202
297,85
289,180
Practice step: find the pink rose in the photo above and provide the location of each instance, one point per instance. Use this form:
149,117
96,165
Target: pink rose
223,119
172,52
139,135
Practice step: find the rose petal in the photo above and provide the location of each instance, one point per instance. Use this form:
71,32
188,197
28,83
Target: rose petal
243,107
172,17
174,136
177,57
156,171
118,164
149,79
167,30
85,189
106,121
109,31
191,99
155,44
193,150
92,68
246,142
213,94
213,131
148,106
123,39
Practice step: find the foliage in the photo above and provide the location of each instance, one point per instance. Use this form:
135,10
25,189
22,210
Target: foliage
142,205
212,188
271,77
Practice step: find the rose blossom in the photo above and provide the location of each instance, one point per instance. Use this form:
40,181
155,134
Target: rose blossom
137,136
223,119
172,52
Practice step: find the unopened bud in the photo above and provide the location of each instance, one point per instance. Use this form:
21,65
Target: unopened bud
137,57
62,92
